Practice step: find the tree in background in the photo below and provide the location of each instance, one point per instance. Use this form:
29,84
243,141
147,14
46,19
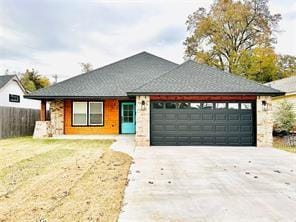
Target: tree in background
287,66
285,117
86,67
32,81
235,36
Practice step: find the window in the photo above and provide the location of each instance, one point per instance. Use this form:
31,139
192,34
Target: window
14,98
128,113
232,105
80,113
208,106
195,105
183,105
246,105
158,105
87,113
95,113
171,105
220,105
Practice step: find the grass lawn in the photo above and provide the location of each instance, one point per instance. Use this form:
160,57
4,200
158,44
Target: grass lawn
61,180
279,144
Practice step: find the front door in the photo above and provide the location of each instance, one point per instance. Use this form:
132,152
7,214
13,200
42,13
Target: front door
128,117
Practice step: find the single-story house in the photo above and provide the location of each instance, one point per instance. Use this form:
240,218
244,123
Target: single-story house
287,85
12,92
162,103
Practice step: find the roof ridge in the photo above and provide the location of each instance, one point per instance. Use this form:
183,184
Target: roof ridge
165,73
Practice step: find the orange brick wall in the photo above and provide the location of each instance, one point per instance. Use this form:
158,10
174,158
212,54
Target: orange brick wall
111,120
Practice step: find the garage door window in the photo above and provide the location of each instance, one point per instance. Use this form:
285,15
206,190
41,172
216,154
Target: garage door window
208,106
171,105
184,105
232,105
220,105
246,106
158,105
195,105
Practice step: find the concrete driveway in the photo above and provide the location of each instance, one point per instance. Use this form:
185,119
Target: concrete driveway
211,184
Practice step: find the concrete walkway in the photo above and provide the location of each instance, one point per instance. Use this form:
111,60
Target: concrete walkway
211,184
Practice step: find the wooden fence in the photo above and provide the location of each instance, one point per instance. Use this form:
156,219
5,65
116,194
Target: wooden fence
16,122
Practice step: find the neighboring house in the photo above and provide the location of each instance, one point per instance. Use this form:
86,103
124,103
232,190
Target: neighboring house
287,85
162,103
12,92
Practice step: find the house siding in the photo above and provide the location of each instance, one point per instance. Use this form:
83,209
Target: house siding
111,120
289,98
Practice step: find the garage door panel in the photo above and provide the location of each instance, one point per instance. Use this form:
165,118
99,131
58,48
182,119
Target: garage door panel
170,116
233,140
195,116
196,128
184,116
170,127
157,116
208,140
221,140
221,129
234,128
246,129
208,128
246,116
221,116
233,116
207,116
246,140
157,127
185,126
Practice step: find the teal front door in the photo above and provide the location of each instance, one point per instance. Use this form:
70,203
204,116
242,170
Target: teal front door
128,117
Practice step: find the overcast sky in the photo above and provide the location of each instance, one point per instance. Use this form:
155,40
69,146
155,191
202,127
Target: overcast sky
54,36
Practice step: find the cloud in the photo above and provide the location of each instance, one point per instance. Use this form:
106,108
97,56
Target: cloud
53,36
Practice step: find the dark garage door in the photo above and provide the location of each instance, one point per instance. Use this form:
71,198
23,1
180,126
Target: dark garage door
203,123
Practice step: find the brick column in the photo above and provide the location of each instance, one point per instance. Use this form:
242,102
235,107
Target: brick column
264,122
57,117
143,121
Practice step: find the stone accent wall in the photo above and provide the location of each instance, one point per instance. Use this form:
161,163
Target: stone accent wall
142,121
57,117
264,122
42,129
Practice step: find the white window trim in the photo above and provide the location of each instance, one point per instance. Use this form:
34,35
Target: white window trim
102,112
73,114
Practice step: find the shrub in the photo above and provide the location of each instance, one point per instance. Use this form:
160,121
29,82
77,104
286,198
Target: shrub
285,117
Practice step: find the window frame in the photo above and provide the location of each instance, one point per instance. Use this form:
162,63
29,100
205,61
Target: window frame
87,114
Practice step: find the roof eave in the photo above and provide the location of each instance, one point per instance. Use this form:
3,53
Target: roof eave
73,97
206,93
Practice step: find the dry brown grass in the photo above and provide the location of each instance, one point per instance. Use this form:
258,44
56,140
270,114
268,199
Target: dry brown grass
61,180
280,144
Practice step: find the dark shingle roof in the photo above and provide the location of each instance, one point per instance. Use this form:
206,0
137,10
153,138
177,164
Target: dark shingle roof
287,84
191,77
5,79
113,80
